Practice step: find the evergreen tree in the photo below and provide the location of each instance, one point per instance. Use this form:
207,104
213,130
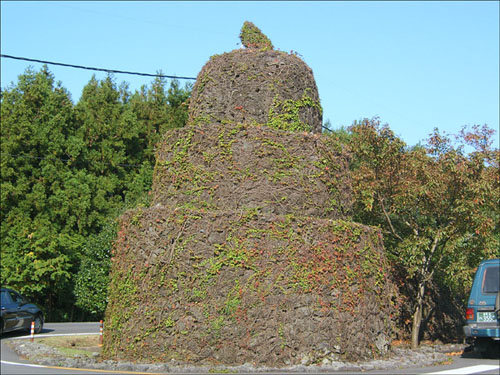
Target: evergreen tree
92,279
159,109
67,171
39,214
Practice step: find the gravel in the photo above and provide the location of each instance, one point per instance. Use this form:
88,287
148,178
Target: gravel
399,357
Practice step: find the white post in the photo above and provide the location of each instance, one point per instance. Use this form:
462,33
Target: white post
32,331
101,328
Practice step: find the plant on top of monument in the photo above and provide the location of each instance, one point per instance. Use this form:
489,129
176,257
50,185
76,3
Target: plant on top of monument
252,37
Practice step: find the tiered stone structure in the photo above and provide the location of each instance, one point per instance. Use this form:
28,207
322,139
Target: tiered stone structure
247,253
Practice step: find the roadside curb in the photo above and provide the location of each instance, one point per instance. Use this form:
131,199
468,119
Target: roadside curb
43,355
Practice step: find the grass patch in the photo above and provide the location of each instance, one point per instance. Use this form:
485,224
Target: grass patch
73,345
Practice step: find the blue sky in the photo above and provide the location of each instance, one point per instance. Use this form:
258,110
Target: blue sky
416,65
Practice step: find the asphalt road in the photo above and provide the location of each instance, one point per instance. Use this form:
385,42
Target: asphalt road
11,364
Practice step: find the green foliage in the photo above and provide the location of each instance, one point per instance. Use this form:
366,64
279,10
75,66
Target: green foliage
67,170
158,109
252,37
284,115
341,134
92,279
40,232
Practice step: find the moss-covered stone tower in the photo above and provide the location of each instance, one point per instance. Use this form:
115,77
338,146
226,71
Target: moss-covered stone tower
247,253
257,85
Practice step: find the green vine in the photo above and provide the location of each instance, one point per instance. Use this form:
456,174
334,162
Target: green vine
203,81
285,115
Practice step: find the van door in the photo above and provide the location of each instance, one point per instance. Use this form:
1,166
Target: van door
487,296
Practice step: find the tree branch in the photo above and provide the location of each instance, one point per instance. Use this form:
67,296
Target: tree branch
388,219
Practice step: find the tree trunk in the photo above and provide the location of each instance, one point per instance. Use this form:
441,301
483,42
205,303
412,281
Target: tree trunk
417,316
425,275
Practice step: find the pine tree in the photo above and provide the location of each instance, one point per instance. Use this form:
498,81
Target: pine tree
38,218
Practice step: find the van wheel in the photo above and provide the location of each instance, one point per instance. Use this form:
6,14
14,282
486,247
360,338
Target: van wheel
492,350
481,346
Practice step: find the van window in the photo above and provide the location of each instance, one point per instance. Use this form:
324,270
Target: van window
491,281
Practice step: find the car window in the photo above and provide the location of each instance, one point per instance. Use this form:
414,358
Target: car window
491,281
17,298
5,298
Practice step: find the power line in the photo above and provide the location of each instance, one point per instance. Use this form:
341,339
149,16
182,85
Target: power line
326,128
105,70
96,69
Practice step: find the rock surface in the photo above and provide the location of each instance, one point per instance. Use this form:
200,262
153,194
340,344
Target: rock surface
253,86
244,167
233,287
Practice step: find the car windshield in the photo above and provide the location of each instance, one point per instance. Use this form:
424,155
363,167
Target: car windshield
5,298
491,281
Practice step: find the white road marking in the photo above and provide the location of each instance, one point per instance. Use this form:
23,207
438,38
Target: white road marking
100,371
467,370
20,364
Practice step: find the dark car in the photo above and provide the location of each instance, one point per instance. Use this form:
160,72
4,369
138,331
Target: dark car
483,309
18,312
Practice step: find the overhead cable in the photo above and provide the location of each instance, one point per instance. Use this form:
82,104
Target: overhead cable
96,69
106,70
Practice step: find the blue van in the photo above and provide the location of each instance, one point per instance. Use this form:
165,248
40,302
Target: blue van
483,310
